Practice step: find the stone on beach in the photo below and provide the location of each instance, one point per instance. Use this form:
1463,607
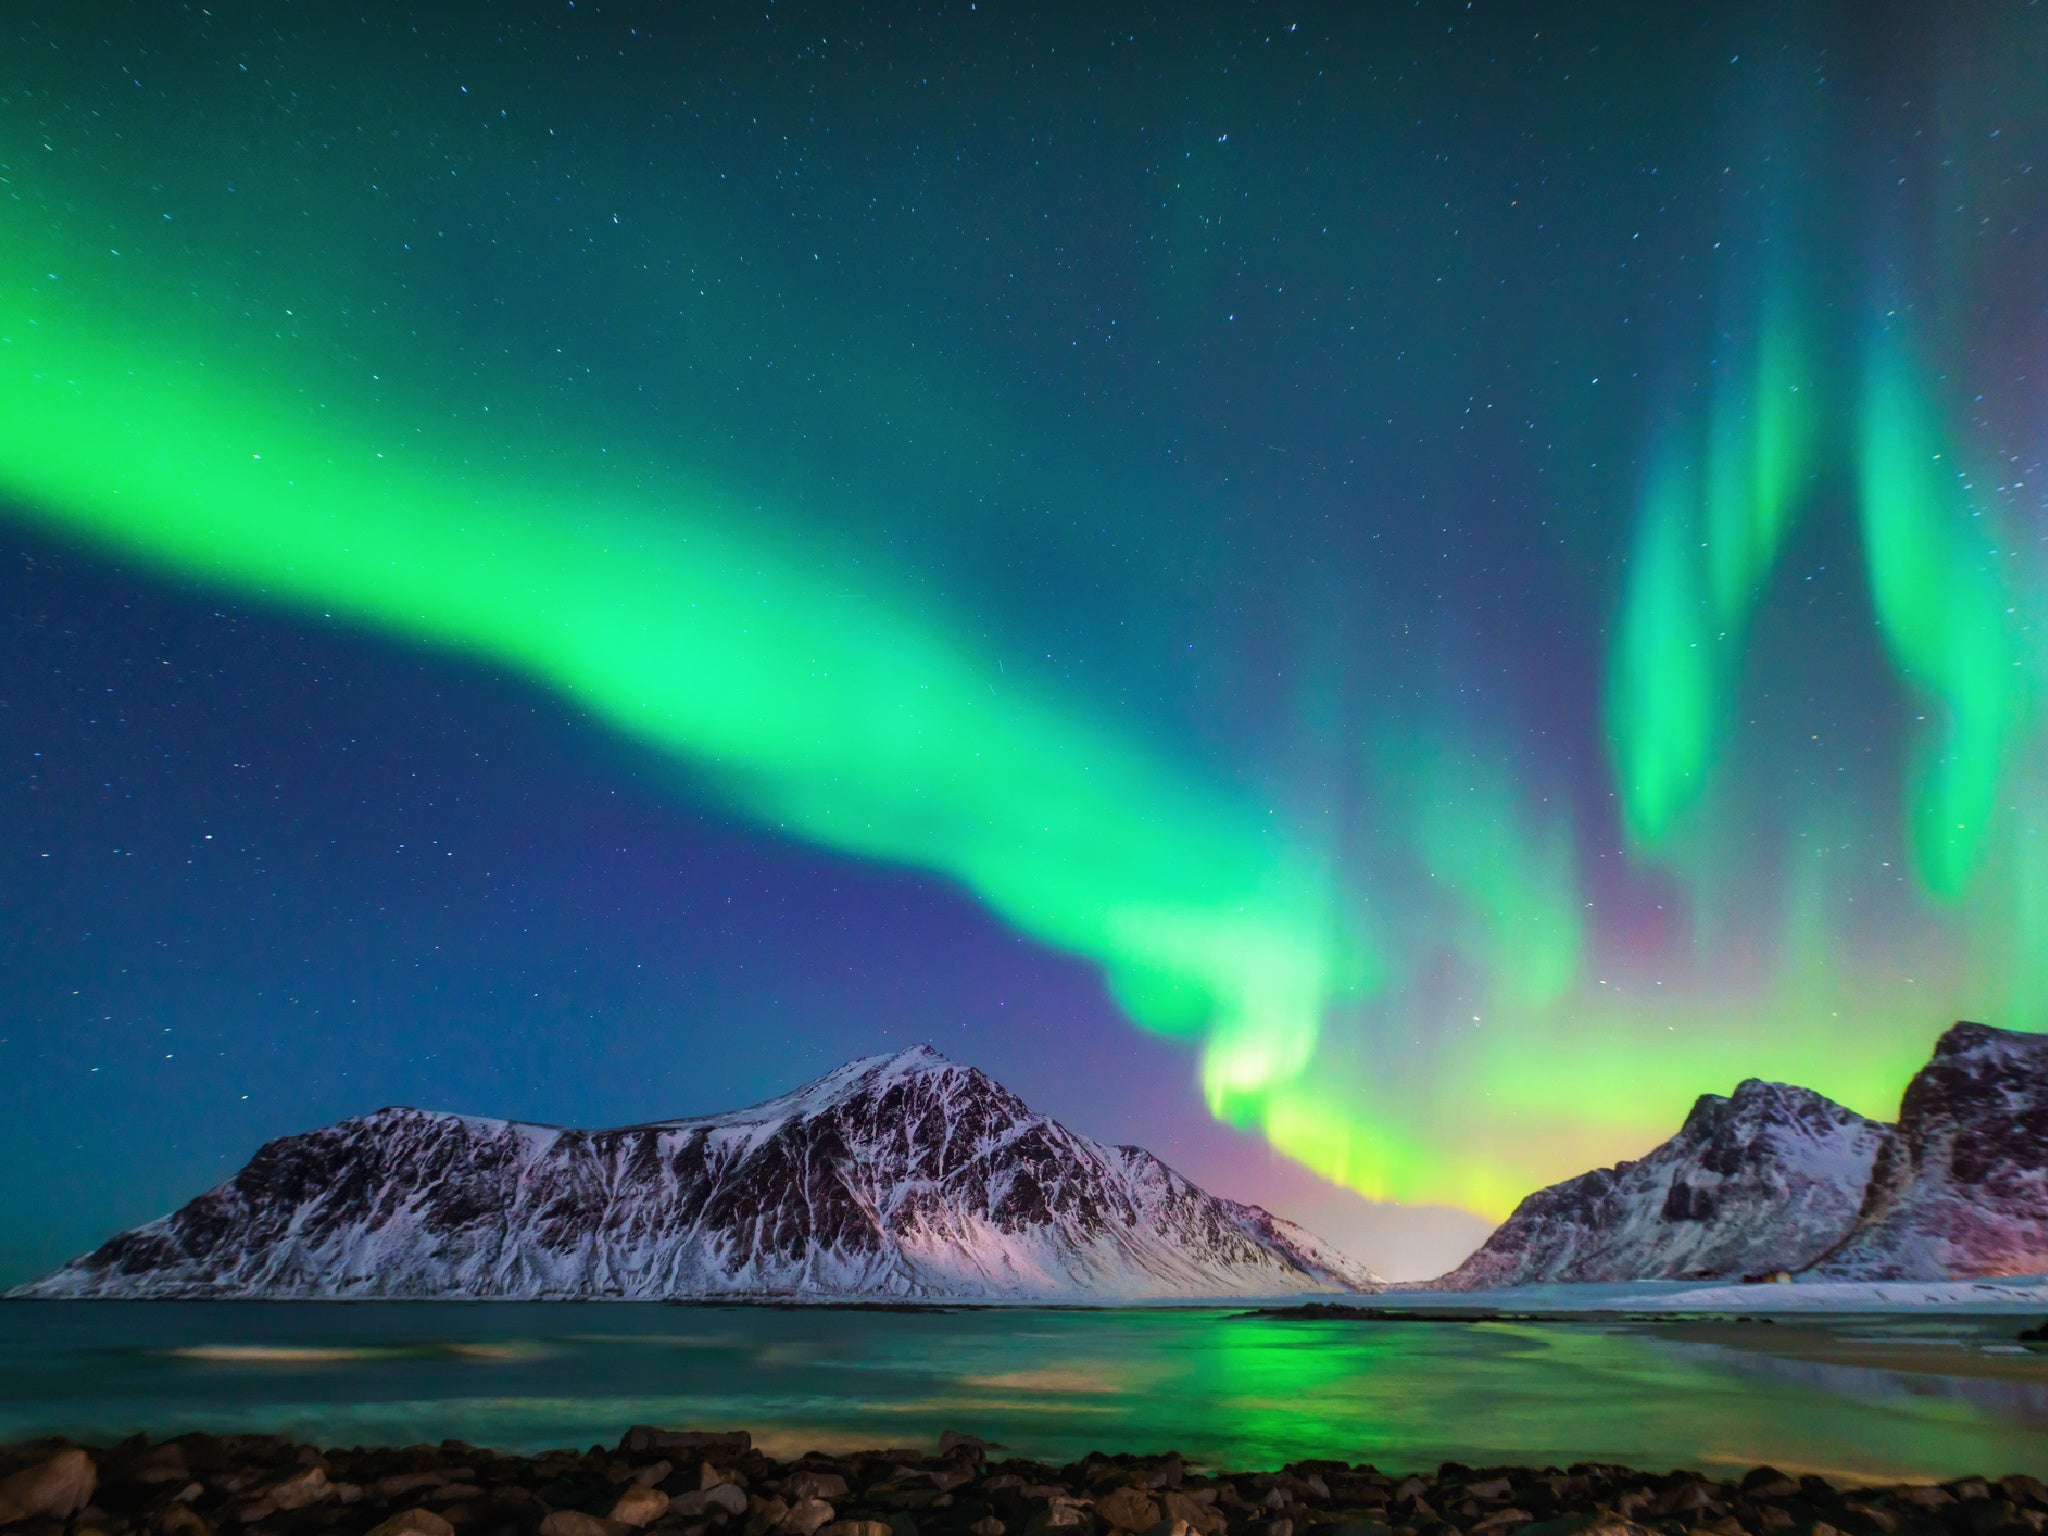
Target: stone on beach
640,1506
805,1517
574,1522
56,1488
1128,1509
413,1522
799,1486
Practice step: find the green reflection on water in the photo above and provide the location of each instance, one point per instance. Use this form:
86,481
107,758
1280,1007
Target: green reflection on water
1225,1390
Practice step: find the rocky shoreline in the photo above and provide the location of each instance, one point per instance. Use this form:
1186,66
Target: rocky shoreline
670,1483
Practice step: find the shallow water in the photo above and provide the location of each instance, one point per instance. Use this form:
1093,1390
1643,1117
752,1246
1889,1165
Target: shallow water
1052,1384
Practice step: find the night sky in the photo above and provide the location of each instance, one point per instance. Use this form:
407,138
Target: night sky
1371,597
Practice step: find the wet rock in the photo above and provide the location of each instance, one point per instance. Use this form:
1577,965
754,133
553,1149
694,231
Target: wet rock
1196,1514
805,1517
574,1522
856,1528
150,1465
1590,1523
801,1486
179,1520
640,1506
399,1484
1924,1497
724,1497
645,1437
413,1522
1353,1527
2024,1491
1128,1509
307,1488
55,1488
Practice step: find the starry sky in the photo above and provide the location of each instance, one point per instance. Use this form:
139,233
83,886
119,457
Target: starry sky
1370,597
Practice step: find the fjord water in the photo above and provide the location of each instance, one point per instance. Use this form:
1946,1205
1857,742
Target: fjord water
1223,1388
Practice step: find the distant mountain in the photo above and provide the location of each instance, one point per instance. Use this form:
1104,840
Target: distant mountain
1778,1178
895,1176
1962,1189
1770,1178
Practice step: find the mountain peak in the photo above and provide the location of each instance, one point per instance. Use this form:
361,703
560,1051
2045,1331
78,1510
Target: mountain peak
901,1174
1765,1178
1966,1036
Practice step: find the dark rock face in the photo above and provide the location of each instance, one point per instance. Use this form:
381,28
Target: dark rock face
1768,1179
1962,1190
905,1175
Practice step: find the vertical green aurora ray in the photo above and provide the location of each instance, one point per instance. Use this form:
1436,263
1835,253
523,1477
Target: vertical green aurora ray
1661,687
829,713
1509,876
1944,611
1704,545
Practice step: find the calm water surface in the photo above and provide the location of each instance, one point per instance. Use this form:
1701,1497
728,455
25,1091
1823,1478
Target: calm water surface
1052,1384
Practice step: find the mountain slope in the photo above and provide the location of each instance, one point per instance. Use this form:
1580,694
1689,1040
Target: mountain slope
1767,1179
1963,1187
894,1176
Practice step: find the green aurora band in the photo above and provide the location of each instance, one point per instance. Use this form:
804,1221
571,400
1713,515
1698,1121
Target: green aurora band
1706,541
826,712
1446,1019
837,715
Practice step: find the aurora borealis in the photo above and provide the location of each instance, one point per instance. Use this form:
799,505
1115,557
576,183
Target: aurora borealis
1422,588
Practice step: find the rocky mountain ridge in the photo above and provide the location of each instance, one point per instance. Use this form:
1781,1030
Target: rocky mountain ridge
1779,1179
903,1176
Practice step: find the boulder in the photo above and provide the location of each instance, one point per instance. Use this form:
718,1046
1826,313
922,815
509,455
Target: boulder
645,1437
56,1487
806,1517
799,1486
574,1522
640,1506
1128,1509
308,1488
725,1496
413,1522
856,1528
183,1520
1194,1513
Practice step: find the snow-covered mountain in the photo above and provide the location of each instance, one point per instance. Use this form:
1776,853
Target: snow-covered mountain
1780,1179
1962,1189
1769,1179
894,1176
